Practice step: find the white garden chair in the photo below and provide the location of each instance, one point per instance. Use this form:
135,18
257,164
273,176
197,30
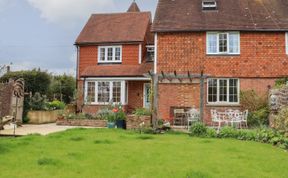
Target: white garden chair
245,118
193,115
217,118
237,118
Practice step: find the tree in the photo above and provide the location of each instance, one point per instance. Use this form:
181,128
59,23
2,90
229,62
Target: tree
62,88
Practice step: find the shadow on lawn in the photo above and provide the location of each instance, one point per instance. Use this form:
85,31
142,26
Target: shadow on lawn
47,162
197,174
103,142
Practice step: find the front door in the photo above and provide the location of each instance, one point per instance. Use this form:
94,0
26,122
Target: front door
147,91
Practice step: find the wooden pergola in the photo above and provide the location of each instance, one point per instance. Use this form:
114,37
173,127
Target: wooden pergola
174,77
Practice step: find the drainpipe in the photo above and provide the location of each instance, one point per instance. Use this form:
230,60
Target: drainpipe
77,65
202,97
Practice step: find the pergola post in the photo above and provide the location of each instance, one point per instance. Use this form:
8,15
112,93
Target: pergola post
155,80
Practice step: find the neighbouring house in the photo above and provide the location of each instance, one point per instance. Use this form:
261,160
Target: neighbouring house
115,52
238,44
206,52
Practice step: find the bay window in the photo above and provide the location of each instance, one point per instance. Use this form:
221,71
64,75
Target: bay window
223,91
223,43
109,54
105,92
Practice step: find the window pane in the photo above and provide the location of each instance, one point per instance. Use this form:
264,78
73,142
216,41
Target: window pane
117,54
90,92
233,43
212,43
103,92
117,92
222,90
222,42
233,90
102,54
212,90
110,54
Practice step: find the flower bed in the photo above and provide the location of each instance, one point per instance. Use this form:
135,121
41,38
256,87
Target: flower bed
82,122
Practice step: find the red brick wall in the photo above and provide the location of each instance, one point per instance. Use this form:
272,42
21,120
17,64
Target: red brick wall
135,94
188,96
89,56
5,99
262,55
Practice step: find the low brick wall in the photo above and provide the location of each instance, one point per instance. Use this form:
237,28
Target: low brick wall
133,121
82,122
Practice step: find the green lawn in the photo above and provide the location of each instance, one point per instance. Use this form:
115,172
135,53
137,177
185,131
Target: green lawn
104,153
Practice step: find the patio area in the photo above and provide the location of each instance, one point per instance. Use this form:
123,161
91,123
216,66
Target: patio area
27,129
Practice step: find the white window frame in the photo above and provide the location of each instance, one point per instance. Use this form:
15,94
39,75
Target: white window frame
228,43
286,42
106,54
218,102
123,89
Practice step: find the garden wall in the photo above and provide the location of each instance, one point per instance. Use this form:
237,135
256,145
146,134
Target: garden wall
82,122
278,98
42,117
8,102
133,121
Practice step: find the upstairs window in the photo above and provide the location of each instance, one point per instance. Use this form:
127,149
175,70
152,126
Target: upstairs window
223,43
150,52
109,54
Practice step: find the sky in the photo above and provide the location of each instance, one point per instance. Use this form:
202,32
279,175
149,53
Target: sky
41,33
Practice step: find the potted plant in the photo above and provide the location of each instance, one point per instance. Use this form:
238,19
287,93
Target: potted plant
111,120
121,120
120,117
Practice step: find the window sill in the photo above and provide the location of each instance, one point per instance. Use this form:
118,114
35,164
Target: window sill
222,55
108,63
102,104
223,104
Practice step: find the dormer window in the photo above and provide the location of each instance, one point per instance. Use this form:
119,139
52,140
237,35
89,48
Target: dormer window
209,5
109,54
150,52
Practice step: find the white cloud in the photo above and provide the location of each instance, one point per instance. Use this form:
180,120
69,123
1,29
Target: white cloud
69,12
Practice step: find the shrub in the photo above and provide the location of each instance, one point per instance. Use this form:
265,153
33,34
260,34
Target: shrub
259,118
211,133
37,102
104,113
257,107
281,82
54,105
142,112
281,120
228,132
198,129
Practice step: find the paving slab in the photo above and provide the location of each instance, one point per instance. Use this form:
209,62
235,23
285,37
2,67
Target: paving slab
43,129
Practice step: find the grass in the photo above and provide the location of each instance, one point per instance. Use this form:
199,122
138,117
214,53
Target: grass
119,154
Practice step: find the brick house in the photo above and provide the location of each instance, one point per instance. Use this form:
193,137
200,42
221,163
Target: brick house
237,45
240,45
114,54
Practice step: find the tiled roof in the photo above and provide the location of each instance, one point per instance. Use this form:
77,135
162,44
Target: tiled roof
242,15
134,7
118,70
115,28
